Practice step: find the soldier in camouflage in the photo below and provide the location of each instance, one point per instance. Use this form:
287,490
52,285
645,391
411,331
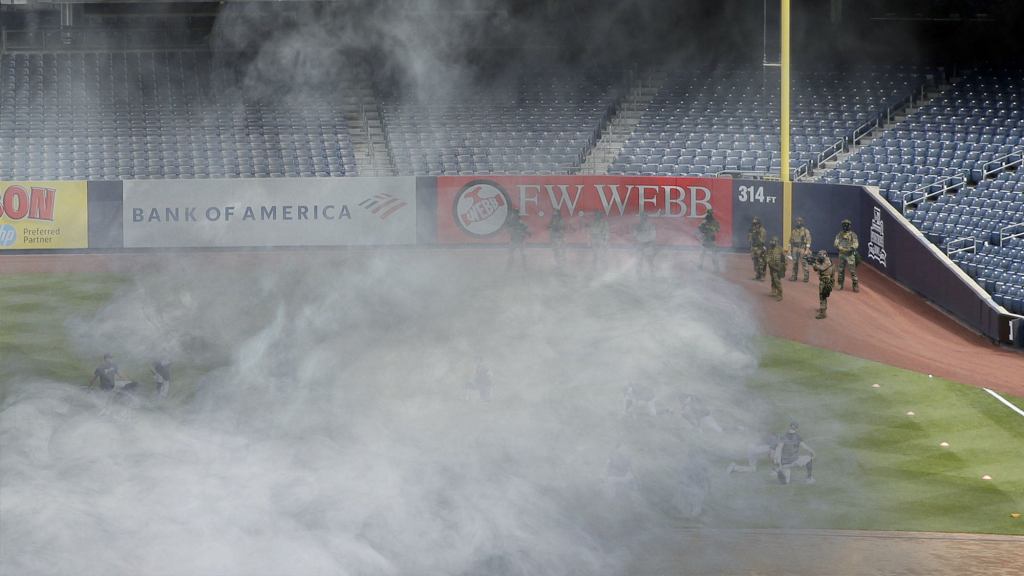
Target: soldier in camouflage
708,234
800,249
822,264
556,231
645,234
846,243
776,266
518,232
599,235
756,238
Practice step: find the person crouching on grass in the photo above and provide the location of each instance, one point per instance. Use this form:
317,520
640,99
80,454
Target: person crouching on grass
106,373
787,455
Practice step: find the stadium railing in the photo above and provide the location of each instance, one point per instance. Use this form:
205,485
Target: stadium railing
960,245
1011,231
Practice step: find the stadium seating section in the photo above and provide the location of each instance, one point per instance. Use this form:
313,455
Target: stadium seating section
545,128
953,167
704,124
124,115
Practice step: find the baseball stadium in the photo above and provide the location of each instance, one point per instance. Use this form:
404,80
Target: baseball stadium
511,287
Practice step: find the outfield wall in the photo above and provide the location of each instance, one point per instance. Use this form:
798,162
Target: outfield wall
462,210
472,210
899,250
49,215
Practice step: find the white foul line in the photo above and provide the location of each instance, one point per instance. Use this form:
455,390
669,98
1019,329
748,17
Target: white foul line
1005,401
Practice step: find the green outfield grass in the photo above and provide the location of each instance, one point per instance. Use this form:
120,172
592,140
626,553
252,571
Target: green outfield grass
877,467
33,311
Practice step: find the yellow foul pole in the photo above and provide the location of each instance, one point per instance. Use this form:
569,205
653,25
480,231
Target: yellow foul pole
787,185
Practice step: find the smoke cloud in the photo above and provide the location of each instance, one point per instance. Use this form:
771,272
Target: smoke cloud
340,424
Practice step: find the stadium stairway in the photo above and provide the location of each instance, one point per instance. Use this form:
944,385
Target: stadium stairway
365,123
625,118
898,115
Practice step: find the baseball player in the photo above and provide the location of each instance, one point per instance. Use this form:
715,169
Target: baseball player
788,455
161,370
696,412
106,373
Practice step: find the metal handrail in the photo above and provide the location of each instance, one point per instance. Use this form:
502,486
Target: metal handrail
859,133
1003,236
1003,165
972,248
757,175
865,128
1016,152
834,150
959,177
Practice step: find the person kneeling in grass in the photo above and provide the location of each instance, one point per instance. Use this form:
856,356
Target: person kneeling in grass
787,455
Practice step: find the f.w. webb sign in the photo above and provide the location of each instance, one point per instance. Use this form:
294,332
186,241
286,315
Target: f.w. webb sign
269,212
474,210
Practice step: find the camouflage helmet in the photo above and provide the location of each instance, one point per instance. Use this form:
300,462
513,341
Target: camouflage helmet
846,224
799,220
774,241
822,254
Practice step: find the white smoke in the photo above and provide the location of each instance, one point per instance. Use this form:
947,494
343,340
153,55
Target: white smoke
332,431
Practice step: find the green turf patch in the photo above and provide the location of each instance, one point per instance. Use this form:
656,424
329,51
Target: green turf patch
878,467
33,311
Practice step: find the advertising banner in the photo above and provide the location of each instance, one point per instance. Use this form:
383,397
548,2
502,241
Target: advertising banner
266,212
475,209
43,215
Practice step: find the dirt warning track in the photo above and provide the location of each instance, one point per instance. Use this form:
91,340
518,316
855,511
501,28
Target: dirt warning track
844,553
886,323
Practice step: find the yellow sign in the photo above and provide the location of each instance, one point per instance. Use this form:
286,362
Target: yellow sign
44,215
